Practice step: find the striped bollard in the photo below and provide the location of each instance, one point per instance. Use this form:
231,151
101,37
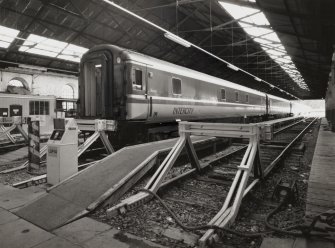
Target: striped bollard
33,146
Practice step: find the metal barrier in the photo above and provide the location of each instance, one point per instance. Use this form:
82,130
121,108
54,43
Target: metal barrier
16,122
99,127
270,128
34,158
232,203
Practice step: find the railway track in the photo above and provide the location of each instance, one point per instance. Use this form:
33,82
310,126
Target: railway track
195,198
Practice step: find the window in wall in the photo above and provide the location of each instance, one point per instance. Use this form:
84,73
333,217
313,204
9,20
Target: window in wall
67,105
176,86
223,94
137,76
16,83
67,92
39,108
247,98
236,96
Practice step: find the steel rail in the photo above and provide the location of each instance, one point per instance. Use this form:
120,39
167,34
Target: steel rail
288,126
280,156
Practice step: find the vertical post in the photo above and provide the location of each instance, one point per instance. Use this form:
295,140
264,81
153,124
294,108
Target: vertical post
332,96
33,146
192,155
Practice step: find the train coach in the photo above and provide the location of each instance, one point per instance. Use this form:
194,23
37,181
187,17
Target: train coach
146,96
42,108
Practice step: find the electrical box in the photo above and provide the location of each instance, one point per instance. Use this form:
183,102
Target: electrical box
62,156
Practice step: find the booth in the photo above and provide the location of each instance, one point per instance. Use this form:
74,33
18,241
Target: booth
62,158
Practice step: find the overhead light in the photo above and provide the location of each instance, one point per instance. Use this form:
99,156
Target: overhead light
177,39
258,79
233,67
32,67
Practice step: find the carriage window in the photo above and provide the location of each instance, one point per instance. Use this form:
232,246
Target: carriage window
236,96
176,86
39,108
137,79
247,98
223,94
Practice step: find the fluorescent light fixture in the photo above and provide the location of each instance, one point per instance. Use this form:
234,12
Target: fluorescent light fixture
33,67
177,39
258,79
233,67
185,43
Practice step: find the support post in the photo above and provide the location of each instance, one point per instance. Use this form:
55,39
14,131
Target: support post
33,146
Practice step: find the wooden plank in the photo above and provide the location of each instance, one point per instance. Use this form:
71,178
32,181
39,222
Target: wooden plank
321,202
277,243
309,243
314,195
316,208
323,186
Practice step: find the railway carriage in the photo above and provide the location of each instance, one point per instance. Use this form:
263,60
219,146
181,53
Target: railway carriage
40,108
145,95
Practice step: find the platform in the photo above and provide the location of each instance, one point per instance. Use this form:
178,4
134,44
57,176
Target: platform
12,156
321,185
16,232
73,196
295,243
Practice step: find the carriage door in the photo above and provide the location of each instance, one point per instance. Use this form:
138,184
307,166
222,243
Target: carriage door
15,110
267,103
149,83
96,85
94,82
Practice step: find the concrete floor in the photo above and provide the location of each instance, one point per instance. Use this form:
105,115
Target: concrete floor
16,232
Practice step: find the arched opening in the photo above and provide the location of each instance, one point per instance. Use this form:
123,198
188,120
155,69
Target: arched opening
67,92
18,85
68,103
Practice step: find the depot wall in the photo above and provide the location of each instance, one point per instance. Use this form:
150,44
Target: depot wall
39,82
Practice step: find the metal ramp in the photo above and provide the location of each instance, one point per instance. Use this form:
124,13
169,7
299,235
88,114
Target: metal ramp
87,189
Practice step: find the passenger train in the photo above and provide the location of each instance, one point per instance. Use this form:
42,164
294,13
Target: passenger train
146,96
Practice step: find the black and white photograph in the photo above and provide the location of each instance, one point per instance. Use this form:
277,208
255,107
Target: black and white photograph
167,123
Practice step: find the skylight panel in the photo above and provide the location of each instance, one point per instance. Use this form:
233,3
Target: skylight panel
237,11
42,45
254,31
255,25
74,50
272,36
283,60
69,57
275,52
7,35
258,19
262,41
41,52
4,44
52,48
72,53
